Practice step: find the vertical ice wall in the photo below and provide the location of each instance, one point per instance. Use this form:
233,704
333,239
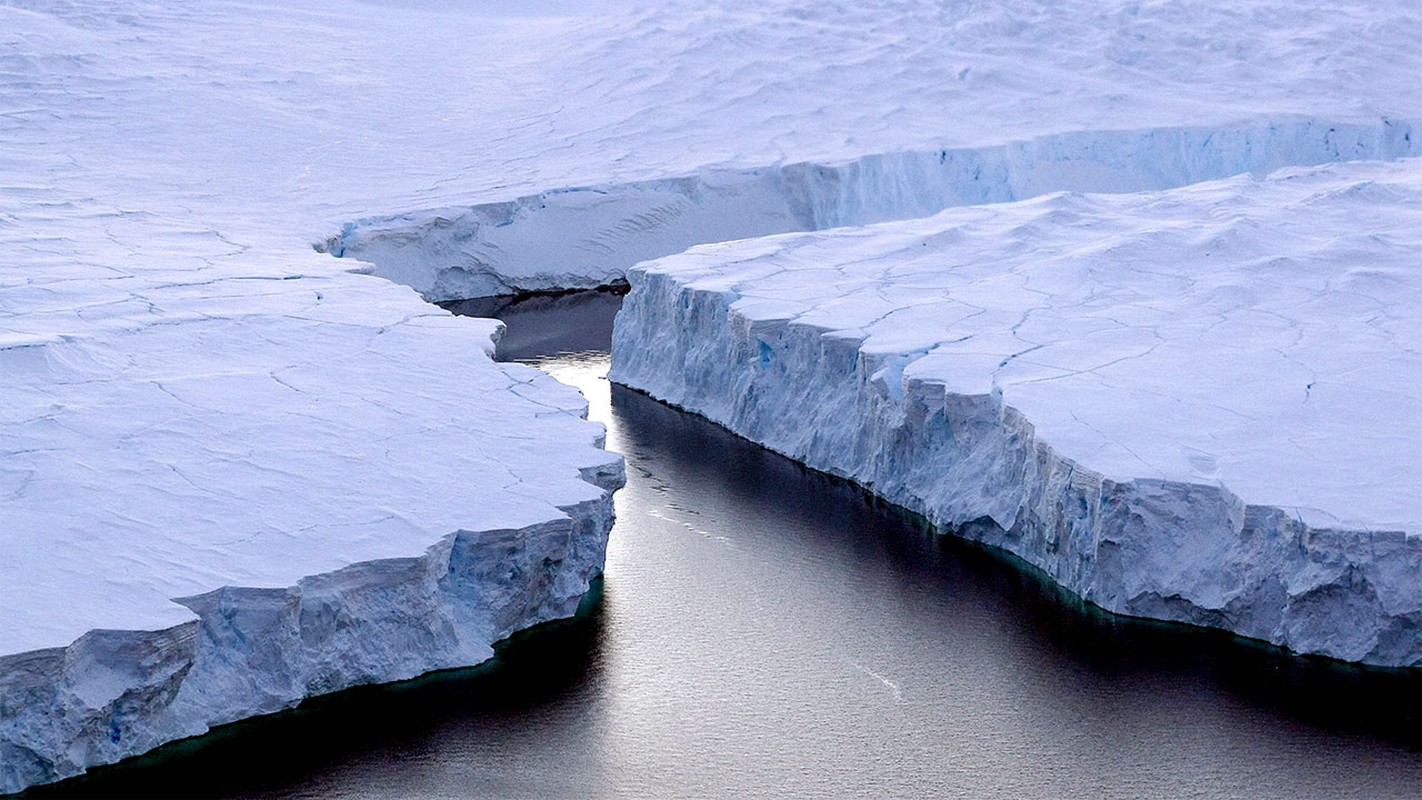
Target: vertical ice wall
582,237
114,694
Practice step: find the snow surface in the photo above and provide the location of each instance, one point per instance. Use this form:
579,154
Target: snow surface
223,434
1223,380
194,397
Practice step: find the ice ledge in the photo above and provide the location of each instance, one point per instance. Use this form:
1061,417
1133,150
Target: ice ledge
258,491
869,354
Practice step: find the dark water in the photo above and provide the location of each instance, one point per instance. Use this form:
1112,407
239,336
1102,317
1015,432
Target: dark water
764,631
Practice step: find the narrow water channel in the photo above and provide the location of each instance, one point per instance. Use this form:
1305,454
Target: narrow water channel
765,631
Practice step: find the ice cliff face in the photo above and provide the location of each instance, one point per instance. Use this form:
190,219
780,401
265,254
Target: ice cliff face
1136,396
585,237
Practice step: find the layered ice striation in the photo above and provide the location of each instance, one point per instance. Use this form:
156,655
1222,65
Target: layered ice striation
1199,405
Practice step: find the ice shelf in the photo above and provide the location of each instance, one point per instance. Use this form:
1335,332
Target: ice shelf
583,237
224,494
1199,405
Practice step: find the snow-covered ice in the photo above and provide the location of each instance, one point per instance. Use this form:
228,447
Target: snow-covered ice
1202,404
197,395
235,474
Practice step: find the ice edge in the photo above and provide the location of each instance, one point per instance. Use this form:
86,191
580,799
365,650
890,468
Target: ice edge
584,237
973,466
112,694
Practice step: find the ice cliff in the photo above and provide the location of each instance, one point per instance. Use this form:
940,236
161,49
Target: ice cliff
208,431
583,237
262,486
248,651
1198,405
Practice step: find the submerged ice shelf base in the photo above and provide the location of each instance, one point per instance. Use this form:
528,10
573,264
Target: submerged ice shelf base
1199,405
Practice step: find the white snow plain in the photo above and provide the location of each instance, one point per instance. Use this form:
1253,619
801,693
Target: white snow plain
1201,405
195,400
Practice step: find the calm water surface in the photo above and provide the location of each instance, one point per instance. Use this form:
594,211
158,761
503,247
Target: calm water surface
764,631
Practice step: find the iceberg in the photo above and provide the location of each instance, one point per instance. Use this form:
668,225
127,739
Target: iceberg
1200,405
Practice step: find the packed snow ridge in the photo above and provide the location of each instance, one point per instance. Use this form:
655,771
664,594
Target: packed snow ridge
1199,405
